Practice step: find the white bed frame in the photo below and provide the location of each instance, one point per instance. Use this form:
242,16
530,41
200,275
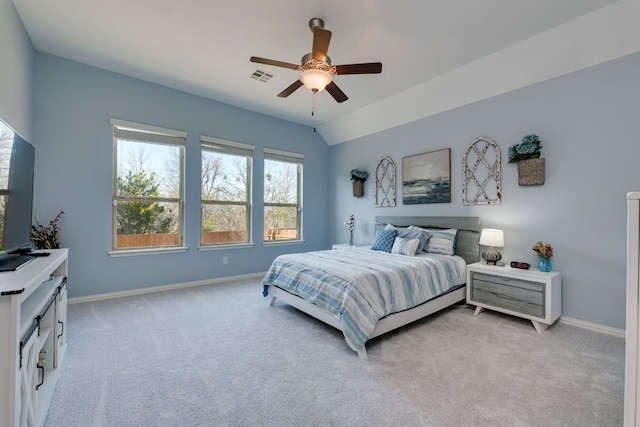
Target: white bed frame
467,247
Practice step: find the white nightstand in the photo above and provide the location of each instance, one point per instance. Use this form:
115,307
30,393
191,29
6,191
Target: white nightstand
530,294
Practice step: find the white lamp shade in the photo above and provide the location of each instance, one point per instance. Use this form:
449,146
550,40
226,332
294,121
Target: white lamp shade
315,80
492,237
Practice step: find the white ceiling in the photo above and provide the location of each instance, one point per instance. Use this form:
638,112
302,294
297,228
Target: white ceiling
203,46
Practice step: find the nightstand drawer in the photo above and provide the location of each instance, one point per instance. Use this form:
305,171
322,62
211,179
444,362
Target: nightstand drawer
511,294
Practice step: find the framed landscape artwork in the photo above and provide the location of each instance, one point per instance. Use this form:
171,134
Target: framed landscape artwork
426,178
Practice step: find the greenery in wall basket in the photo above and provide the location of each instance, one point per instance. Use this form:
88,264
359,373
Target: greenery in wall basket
359,175
529,148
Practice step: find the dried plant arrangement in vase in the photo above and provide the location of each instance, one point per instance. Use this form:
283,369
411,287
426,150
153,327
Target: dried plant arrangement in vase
47,237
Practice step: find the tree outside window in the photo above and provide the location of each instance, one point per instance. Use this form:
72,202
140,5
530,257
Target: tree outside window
6,146
147,201
225,192
282,196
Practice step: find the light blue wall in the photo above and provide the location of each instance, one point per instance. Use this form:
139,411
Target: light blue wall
16,71
588,122
74,173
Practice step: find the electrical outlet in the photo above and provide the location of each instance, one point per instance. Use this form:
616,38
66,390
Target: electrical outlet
225,259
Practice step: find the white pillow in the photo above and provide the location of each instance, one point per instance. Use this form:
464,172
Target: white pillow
393,227
405,246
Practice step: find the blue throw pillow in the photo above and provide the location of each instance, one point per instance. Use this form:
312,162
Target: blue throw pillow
383,240
442,242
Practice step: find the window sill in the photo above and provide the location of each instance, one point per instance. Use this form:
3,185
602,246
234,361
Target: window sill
282,242
146,251
226,246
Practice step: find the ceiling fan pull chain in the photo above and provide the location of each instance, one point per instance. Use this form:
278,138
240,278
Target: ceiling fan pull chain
313,103
313,108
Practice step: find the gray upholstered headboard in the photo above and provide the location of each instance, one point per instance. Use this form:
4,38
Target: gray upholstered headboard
468,230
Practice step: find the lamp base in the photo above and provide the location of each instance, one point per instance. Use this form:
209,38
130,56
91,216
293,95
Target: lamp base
491,256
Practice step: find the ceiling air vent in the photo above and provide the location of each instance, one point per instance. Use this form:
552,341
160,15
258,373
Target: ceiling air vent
261,76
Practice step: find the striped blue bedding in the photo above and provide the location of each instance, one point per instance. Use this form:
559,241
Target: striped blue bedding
360,286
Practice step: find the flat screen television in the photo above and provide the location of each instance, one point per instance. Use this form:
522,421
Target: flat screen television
17,159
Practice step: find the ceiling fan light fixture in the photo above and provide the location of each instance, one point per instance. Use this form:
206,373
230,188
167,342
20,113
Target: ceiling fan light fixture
315,67
315,80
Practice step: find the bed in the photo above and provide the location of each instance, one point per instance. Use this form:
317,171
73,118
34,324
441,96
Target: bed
365,293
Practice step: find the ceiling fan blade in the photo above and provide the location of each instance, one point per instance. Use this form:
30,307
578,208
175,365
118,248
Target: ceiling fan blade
321,39
292,88
367,68
336,92
273,62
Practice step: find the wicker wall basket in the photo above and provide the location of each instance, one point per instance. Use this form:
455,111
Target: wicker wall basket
531,172
358,188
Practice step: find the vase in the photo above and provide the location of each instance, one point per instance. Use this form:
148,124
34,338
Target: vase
544,263
358,188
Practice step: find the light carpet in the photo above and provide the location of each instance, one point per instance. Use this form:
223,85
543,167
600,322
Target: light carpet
220,356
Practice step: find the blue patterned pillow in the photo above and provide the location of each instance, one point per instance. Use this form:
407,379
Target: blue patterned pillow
405,246
383,240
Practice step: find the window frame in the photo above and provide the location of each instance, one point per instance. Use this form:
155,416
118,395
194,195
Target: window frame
297,159
224,146
138,132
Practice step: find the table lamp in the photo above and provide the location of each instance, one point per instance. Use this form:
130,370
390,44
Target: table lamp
492,238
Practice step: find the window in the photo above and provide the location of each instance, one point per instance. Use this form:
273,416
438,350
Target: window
225,192
6,146
148,186
282,195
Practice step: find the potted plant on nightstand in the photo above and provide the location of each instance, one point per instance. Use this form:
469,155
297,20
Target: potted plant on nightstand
358,177
527,155
545,252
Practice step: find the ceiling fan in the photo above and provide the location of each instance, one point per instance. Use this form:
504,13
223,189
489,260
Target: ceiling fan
316,70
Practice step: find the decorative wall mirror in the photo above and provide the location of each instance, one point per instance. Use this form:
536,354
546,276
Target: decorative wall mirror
385,183
482,182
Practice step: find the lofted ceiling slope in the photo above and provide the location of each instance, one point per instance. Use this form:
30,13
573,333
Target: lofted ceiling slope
203,47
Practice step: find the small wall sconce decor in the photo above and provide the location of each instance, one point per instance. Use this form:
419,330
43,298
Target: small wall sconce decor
527,155
358,177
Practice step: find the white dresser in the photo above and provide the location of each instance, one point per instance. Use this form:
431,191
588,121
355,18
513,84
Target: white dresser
33,302
631,395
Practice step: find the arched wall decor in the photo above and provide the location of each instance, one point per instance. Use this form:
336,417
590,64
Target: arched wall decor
482,181
385,183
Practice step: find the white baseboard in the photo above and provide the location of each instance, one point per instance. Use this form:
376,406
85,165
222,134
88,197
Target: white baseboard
148,290
563,319
593,326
